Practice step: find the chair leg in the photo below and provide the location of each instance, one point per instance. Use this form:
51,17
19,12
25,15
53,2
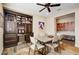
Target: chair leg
53,49
34,52
62,46
29,50
59,49
14,49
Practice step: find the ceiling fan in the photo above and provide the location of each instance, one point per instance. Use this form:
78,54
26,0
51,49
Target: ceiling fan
47,6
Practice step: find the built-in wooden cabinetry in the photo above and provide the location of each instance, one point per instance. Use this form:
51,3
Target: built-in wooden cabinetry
15,25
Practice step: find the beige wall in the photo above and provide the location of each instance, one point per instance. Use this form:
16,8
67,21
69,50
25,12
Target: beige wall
1,29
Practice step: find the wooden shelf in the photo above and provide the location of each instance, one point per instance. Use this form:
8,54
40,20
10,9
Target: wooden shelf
16,23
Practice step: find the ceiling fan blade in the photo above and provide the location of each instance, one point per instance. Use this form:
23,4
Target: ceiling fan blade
41,9
47,4
54,5
40,4
49,9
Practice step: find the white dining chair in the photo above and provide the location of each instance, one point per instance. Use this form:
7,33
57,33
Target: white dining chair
60,37
54,44
35,46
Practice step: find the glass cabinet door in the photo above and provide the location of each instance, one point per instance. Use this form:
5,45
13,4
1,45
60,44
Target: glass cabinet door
10,24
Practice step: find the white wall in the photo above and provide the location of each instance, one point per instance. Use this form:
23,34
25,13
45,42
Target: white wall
67,19
77,27
1,30
51,21
36,29
52,24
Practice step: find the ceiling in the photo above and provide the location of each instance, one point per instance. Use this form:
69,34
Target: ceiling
35,8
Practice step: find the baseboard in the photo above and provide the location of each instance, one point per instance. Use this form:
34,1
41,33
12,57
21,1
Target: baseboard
69,40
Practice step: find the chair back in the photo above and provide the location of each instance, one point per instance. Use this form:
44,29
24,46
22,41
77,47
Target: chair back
55,39
33,40
60,37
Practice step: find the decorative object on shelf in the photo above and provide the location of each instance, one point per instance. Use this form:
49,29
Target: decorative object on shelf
41,25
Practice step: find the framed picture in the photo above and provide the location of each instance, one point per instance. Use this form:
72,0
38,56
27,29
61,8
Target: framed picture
41,24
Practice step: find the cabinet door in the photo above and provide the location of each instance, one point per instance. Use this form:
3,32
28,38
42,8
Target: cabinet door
29,28
10,23
10,40
10,27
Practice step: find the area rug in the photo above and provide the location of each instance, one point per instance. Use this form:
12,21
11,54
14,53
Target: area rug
23,49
